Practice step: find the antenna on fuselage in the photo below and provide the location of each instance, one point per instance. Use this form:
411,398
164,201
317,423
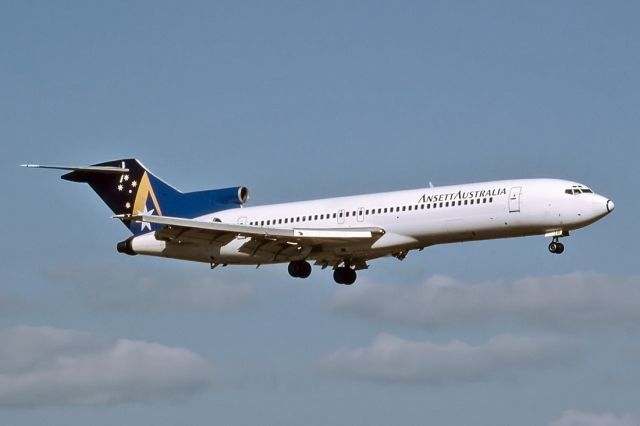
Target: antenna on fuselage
430,184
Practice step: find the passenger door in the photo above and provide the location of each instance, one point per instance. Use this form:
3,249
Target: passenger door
514,199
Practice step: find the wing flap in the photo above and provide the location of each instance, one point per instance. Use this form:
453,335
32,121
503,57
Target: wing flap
271,249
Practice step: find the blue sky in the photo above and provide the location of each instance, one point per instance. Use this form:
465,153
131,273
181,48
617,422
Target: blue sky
301,100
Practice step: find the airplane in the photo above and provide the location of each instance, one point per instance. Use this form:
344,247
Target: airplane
216,227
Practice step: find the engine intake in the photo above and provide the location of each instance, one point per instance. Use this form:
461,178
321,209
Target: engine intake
243,194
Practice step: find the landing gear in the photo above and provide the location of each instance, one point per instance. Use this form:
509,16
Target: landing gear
344,275
555,246
299,269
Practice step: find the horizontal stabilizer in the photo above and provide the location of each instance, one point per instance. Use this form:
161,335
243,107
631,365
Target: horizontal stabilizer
97,169
129,188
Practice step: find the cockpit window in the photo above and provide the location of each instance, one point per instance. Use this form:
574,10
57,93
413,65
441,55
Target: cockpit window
578,190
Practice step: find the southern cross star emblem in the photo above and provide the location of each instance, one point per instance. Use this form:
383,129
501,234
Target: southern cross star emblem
145,212
125,181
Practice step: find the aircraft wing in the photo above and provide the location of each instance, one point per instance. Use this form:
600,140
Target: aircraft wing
260,241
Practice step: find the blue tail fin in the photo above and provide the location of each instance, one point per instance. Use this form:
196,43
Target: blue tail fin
136,190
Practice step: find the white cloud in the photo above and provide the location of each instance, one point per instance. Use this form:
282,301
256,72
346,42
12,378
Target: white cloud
47,366
579,418
572,300
116,289
393,359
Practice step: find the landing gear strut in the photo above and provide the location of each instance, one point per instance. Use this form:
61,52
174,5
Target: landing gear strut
344,275
556,246
299,269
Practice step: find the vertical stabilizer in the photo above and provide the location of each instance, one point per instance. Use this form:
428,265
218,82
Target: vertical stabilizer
128,188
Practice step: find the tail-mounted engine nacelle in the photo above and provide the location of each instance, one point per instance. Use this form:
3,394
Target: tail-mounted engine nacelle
126,247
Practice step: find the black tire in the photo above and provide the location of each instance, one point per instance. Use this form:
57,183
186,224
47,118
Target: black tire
293,269
304,270
338,276
350,276
553,247
559,248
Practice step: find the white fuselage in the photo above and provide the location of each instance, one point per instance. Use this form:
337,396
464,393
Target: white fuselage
411,219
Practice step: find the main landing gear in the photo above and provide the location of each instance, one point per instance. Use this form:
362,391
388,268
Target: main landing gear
344,275
556,246
299,269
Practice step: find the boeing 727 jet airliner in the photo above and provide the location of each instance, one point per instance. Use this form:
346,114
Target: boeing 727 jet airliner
343,233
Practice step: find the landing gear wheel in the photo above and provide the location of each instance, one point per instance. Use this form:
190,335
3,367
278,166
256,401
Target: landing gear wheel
344,275
293,269
305,270
350,277
299,269
556,247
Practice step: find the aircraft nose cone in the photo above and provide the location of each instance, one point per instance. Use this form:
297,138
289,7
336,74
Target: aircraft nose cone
610,206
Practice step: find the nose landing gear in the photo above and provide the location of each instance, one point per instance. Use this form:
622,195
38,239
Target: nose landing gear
556,247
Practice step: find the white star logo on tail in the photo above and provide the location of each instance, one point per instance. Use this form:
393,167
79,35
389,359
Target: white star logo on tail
145,212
